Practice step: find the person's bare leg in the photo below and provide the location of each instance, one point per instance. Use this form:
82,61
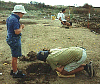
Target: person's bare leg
67,23
14,64
74,71
83,65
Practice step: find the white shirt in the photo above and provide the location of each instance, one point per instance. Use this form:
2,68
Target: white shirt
62,17
58,15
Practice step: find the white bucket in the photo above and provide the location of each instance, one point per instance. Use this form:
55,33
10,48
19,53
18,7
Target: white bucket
0,73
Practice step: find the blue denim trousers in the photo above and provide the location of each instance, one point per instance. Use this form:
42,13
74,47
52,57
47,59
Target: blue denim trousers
15,46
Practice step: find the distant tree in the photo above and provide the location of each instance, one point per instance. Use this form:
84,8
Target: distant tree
30,2
43,4
87,6
34,2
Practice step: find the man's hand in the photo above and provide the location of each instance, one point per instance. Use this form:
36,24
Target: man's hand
60,69
18,31
22,25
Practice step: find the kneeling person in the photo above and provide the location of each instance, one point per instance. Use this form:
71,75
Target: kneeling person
67,61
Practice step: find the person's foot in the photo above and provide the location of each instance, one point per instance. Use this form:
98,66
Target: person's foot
67,27
94,74
93,71
89,69
18,75
11,72
86,68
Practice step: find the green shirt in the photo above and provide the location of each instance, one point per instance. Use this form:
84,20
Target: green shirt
64,56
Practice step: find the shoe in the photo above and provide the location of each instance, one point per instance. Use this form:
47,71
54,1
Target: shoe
87,69
94,74
19,71
91,69
18,75
66,27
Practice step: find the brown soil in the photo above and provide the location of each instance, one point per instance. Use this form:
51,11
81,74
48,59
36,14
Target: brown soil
40,73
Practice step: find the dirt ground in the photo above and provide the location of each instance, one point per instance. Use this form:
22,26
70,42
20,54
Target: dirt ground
47,33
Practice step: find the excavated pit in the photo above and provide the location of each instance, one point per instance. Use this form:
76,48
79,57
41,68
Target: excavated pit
38,73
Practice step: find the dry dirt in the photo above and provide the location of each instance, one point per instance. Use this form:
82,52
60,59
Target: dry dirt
47,33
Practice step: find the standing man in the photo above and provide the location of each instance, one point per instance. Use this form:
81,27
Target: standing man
62,18
14,29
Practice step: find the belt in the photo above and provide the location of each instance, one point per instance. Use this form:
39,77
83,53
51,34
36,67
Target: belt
14,36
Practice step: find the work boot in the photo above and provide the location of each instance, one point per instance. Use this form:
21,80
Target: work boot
91,69
18,75
11,72
86,68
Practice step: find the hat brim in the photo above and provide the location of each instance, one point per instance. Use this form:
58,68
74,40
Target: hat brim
19,11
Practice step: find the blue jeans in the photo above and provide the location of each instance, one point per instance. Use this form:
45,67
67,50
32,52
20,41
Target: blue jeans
15,46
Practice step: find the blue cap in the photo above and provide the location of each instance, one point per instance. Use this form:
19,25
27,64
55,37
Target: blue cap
42,55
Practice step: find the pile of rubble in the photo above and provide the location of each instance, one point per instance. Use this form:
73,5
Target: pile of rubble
31,56
92,23
94,27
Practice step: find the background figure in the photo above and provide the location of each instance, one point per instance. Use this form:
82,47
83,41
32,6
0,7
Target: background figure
62,18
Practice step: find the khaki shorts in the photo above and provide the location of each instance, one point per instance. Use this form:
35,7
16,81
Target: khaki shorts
72,66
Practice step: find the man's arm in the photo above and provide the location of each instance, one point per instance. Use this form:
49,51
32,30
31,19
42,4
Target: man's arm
18,31
61,20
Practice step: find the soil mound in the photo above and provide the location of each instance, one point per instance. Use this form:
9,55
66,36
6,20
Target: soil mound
31,56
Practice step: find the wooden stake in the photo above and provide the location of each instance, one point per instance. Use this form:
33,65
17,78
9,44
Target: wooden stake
69,13
89,17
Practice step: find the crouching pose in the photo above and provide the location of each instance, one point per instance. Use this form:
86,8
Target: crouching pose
67,61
